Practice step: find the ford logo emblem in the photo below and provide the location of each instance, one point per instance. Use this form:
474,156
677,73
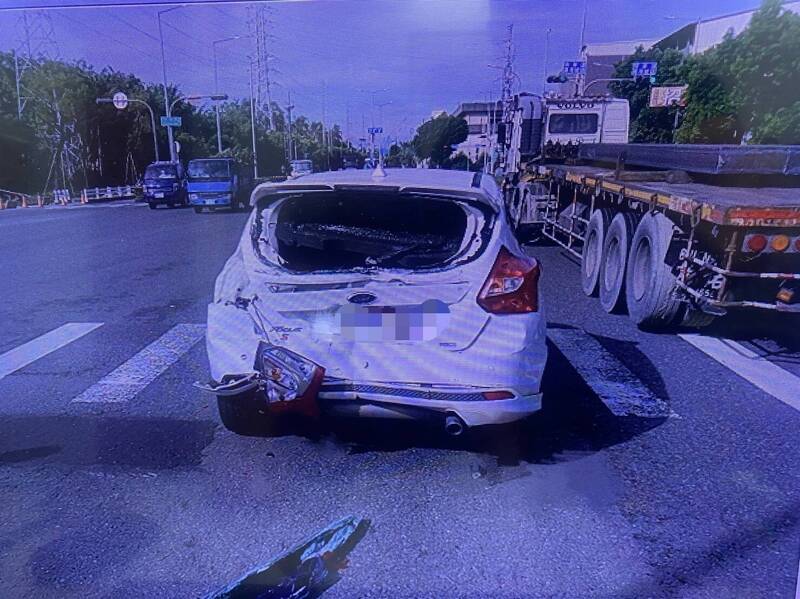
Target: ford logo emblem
363,297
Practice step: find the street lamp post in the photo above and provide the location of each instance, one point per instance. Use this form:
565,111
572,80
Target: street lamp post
164,81
253,121
152,119
215,97
216,86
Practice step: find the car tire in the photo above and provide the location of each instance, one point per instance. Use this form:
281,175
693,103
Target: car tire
240,414
592,254
649,281
198,209
616,247
152,205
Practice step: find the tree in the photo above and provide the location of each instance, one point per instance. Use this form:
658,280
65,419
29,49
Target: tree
654,125
747,87
435,138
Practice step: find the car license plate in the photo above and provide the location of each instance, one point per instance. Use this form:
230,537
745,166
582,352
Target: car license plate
421,322
159,195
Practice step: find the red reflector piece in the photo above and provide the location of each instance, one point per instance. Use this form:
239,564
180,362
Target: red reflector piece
797,244
493,395
756,243
512,286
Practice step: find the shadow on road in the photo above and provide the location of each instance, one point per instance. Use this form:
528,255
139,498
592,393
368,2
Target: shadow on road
772,334
572,424
146,443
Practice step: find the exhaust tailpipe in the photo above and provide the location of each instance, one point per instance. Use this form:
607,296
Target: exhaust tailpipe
454,426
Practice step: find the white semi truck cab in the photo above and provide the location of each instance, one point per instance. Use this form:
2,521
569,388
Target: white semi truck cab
553,127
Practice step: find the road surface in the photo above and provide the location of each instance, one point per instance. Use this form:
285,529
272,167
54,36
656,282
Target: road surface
662,465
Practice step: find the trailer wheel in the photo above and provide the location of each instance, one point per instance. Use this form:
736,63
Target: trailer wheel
648,280
615,258
592,254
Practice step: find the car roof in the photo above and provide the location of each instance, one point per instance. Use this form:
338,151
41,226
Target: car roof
436,181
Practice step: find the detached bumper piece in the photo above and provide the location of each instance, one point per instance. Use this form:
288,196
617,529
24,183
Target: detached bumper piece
287,381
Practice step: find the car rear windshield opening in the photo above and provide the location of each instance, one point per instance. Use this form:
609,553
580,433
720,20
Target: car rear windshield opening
345,231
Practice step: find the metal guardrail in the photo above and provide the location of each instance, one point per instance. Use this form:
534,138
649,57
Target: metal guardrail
63,197
15,199
104,194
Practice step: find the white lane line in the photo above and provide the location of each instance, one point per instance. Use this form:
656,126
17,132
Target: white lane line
619,389
29,352
755,369
126,381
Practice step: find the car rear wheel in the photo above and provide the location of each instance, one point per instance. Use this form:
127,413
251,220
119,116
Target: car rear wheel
592,254
240,414
615,259
649,282
152,205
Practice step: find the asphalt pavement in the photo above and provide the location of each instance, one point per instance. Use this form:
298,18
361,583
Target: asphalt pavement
661,464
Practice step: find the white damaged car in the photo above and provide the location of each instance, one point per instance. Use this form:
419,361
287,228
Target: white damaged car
400,293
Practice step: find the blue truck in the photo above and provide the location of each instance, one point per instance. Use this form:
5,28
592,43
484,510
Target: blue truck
165,183
217,183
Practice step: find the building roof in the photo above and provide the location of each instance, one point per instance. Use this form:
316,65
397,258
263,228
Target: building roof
623,48
483,107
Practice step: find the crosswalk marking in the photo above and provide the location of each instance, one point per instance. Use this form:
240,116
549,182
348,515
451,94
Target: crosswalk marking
126,381
29,352
617,387
755,369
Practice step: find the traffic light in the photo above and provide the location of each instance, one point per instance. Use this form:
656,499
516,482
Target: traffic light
560,78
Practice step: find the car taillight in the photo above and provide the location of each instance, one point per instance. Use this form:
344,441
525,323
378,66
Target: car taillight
512,286
780,243
756,243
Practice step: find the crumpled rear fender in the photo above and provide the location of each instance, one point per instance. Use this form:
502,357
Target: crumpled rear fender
231,340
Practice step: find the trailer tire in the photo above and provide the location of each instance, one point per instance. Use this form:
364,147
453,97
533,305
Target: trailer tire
592,254
615,259
240,414
649,281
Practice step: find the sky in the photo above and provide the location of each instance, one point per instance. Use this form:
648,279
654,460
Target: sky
364,62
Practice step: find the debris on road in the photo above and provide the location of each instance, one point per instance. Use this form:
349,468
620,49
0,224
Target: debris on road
305,571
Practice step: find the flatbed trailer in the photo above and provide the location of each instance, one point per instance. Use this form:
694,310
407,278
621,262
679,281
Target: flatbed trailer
670,251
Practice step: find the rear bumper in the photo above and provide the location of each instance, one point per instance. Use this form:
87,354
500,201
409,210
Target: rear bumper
168,196
421,402
219,200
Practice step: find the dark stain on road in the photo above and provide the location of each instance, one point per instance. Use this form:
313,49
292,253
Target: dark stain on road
146,443
16,456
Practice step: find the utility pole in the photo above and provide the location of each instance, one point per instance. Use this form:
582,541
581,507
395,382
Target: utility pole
581,77
546,56
324,115
216,87
289,108
164,80
507,85
259,23
253,119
